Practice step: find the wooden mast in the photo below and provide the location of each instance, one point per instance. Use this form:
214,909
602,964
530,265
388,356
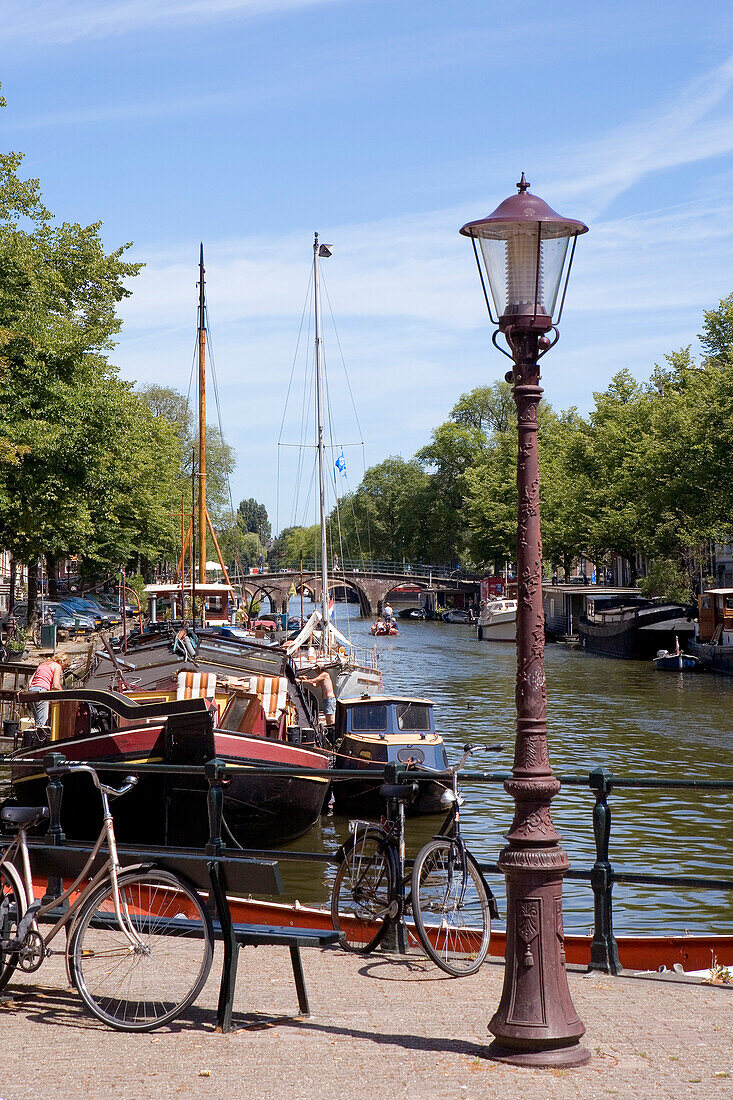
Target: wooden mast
202,421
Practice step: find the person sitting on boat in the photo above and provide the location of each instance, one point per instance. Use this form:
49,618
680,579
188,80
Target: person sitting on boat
49,676
328,705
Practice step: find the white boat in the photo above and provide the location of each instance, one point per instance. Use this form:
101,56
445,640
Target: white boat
497,621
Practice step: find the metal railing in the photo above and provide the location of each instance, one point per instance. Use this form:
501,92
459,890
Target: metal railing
404,569
601,782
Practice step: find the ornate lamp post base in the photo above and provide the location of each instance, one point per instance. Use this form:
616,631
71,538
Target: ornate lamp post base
536,1022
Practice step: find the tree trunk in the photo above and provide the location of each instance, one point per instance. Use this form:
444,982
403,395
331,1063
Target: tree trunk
13,582
32,592
52,574
566,566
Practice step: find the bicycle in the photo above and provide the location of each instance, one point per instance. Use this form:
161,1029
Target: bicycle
140,941
446,893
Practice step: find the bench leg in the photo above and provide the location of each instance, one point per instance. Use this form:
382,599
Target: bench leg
228,985
299,980
231,951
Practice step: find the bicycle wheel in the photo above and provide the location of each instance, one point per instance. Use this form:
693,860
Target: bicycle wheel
450,908
12,908
139,988
364,896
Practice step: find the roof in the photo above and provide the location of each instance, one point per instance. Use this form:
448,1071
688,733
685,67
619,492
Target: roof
403,737
213,589
590,590
385,699
717,592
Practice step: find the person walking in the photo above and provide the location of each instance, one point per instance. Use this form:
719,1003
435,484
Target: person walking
49,676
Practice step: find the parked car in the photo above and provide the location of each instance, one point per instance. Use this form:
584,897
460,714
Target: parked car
69,620
76,605
111,605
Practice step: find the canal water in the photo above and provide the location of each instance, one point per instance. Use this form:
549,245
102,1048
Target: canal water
623,715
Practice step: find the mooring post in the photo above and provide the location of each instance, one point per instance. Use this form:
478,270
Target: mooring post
214,770
55,834
604,949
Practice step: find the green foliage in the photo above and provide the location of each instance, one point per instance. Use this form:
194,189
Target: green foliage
295,544
388,516
667,578
253,517
137,582
171,407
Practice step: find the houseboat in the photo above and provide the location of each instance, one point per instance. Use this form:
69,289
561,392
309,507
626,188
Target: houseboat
713,641
633,628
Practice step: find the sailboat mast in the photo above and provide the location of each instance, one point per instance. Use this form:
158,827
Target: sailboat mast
202,421
317,252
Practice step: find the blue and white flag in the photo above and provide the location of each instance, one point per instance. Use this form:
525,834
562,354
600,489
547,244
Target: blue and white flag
340,464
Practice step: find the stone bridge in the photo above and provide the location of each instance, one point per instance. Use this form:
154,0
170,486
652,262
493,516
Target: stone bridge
371,588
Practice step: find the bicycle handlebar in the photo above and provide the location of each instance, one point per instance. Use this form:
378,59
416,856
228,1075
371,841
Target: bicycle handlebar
65,769
467,751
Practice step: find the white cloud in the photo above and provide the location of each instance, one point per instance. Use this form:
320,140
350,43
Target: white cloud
65,21
695,125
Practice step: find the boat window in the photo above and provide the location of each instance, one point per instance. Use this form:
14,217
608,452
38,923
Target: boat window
369,718
413,716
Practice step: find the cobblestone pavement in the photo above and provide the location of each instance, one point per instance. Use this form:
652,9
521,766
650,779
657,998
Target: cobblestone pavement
380,1027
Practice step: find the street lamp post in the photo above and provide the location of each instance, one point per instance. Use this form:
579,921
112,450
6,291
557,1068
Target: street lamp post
524,252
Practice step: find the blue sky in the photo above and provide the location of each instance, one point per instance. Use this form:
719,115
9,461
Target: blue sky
385,125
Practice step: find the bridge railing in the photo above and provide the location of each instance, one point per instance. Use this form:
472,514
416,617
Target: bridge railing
396,568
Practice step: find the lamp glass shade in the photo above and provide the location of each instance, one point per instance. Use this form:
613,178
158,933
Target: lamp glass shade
524,269
524,249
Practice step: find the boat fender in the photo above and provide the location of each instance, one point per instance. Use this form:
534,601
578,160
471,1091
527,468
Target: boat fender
480,633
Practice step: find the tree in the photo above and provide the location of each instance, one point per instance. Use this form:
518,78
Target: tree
296,544
488,409
385,517
253,517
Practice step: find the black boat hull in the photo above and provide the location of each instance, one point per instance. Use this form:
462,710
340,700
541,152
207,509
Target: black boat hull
260,809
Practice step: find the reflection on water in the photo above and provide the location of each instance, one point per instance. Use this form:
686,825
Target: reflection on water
624,715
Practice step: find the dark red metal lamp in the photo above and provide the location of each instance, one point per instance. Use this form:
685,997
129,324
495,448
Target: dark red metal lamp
524,252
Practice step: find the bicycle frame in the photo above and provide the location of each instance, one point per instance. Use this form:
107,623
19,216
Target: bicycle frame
110,869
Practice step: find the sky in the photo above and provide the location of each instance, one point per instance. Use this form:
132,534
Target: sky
384,125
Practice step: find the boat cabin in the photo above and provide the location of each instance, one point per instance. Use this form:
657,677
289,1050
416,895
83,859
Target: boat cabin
215,598
385,728
371,732
715,622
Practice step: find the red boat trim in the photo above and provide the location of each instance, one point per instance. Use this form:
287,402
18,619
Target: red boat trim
637,953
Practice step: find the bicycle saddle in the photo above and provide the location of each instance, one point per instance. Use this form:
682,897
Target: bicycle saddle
399,792
23,815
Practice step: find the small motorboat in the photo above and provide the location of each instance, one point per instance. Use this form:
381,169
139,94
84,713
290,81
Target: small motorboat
677,660
458,615
497,621
372,731
382,628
